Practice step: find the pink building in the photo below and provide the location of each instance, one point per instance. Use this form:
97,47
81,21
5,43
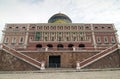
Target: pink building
61,43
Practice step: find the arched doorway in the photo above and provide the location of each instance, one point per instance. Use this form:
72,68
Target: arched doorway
60,46
50,45
38,46
81,45
70,46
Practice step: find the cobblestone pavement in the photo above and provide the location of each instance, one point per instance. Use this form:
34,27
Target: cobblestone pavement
64,75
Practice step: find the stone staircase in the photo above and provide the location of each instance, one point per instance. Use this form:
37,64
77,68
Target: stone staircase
29,60
96,57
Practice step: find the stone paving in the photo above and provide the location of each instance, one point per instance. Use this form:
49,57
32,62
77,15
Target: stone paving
63,75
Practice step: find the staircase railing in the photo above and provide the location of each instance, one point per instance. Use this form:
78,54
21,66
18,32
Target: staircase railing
23,57
96,57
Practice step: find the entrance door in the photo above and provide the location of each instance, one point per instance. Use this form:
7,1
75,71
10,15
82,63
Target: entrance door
54,61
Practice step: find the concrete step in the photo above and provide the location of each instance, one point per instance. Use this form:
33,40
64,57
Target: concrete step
59,70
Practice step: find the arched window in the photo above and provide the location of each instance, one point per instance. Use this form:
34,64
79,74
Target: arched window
81,45
60,46
70,45
38,46
50,45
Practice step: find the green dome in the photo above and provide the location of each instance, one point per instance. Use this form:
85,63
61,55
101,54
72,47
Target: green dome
59,18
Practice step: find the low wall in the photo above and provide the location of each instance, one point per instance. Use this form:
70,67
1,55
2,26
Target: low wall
68,60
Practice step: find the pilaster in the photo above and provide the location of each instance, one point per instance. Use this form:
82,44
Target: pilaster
26,37
93,36
2,38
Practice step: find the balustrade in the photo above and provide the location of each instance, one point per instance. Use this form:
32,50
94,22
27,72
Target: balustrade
24,57
95,57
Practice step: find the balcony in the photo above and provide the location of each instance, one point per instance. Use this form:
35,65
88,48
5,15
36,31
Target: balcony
65,49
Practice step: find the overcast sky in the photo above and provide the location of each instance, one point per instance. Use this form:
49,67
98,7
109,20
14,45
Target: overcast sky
80,11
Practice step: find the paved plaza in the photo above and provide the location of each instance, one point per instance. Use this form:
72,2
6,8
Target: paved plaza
63,75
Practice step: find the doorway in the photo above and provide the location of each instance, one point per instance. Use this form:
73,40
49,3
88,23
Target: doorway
54,61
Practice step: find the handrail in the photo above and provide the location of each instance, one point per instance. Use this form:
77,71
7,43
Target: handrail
90,59
22,53
22,56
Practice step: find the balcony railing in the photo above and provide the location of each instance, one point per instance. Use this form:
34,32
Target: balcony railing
53,49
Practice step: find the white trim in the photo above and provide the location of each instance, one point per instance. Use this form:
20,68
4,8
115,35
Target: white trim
2,38
106,39
6,40
112,39
23,58
21,37
13,39
98,39
93,36
100,56
26,37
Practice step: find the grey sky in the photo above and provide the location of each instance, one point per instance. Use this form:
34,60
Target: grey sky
80,11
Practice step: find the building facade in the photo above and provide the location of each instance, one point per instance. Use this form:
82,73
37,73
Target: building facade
61,43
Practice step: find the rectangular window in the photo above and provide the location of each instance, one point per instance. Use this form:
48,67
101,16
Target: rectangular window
6,40
46,38
81,33
31,38
105,39
52,39
81,39
74,39
112,39
98,40
21,40
13,40
37,36
67,38
59,39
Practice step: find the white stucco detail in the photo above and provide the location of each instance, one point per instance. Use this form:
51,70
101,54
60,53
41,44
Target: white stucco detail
93,36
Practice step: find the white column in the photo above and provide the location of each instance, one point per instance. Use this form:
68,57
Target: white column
26,37
46,49
2,38
73,48
3,35
116,35
2,41
42,66
78,65
93,36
